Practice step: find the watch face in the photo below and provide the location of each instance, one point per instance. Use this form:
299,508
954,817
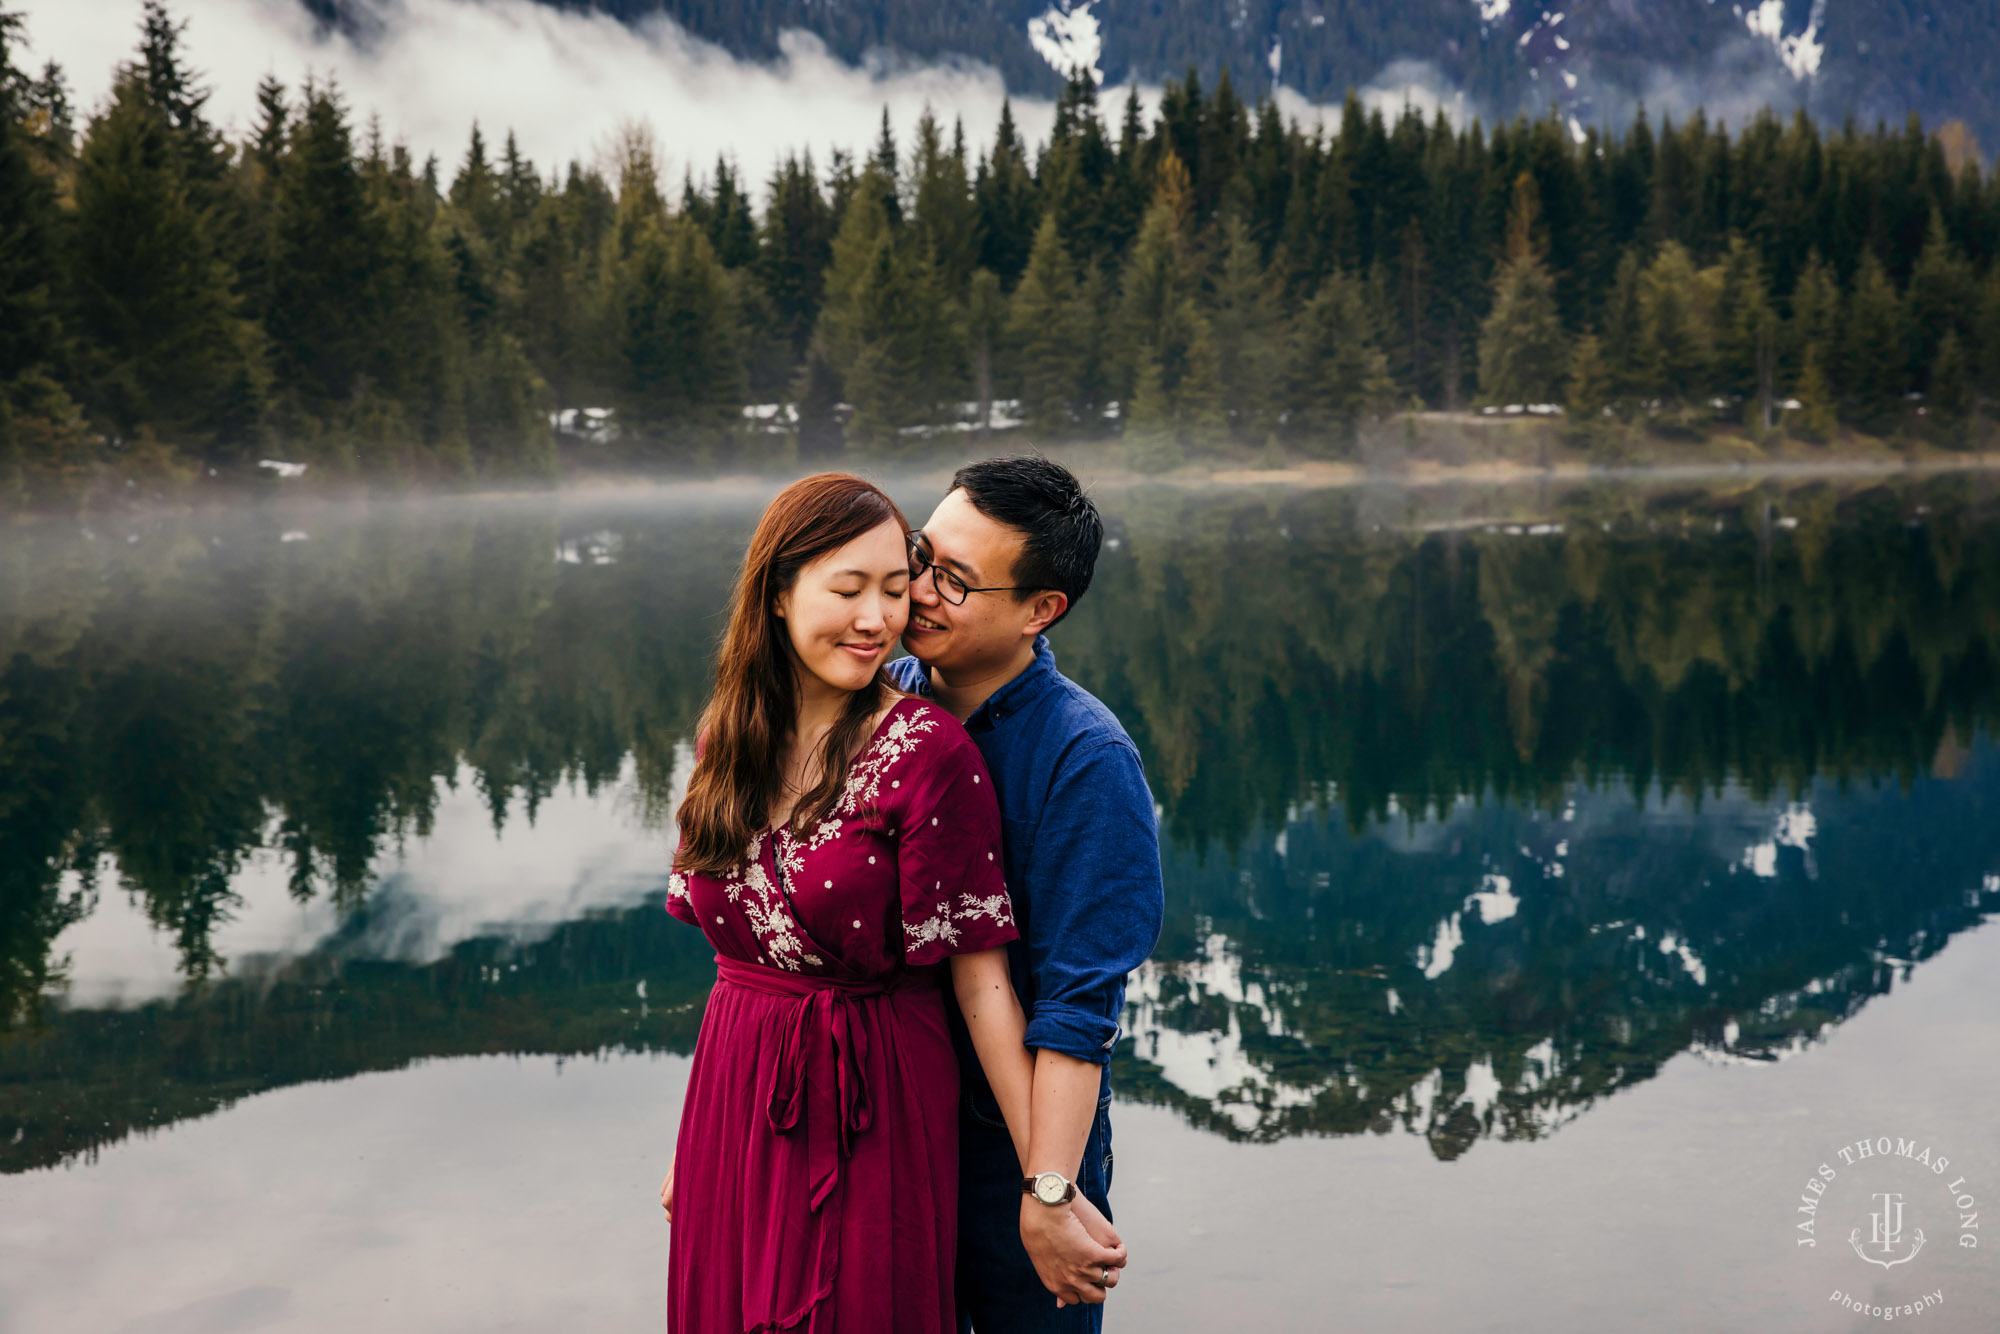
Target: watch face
1049,1187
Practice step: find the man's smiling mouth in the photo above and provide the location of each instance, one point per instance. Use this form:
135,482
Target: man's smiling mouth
924,623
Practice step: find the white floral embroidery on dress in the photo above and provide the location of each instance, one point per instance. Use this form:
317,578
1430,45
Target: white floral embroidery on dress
898,737
677,886
929,931
943,924
749,887
994,907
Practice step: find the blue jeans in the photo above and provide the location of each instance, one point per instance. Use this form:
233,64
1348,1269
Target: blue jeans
998,1289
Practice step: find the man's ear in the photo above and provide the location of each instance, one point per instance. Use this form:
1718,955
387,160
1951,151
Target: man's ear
1048,605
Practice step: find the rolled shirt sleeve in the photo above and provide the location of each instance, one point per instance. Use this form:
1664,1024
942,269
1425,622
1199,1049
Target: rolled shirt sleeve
1099,900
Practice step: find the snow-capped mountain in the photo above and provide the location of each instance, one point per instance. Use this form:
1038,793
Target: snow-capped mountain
1593,60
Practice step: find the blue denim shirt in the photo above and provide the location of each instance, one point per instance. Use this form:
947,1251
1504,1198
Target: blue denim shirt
1081,843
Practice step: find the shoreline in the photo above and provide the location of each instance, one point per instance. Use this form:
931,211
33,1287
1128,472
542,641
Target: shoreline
1102,466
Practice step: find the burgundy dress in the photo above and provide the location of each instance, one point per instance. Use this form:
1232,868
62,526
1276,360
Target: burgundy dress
816,1172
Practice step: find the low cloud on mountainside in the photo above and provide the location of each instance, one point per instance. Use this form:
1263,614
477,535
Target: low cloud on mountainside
565,81
562,81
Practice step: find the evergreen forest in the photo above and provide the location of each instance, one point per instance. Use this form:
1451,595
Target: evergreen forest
176,304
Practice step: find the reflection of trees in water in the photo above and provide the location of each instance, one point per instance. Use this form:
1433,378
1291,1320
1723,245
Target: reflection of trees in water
1264,652
169,706
625,981
179,702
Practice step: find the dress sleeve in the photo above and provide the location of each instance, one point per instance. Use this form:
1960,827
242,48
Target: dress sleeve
954,889
678,902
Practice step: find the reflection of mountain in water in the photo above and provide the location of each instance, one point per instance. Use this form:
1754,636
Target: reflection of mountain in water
1494,970
1300,672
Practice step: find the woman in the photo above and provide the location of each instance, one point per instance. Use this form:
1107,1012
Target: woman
839,843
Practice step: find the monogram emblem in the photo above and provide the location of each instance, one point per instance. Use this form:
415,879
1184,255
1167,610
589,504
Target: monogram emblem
1886,1233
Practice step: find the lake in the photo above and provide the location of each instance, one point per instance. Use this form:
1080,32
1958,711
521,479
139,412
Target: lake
1573,892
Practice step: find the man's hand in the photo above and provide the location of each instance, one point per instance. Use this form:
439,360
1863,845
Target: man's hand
1071,1263
1097,1225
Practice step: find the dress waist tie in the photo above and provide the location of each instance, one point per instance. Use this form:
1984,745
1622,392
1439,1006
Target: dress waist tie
821,1086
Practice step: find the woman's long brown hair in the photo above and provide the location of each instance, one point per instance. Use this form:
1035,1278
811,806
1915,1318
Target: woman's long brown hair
755,705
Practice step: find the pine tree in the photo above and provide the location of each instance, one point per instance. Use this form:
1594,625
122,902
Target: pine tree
986,311
1338,377
816,392
552,270
941,204
1042,330
725,213
1521,344
891,332
1816,416
1748,334
794,246
409,410
165,349
44,448
1004,203
475,191
1152,441
1985,351
1244,315
1157,277
883,160
1948,406
1676,341
1874,350
29,328
323,316
1623,339
1815,316
1522,347
1163,333
257,175
684,388
1939,285
177,94
1588,392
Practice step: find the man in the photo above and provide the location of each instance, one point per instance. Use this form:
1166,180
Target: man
1004,558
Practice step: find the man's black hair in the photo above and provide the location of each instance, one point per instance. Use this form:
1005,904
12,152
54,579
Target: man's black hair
1060,528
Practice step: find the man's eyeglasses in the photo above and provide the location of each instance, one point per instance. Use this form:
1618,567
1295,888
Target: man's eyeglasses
949,586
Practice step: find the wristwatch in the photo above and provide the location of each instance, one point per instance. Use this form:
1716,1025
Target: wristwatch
1051,1188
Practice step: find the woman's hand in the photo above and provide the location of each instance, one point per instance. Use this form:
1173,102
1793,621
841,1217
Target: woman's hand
1071,1262
667,1193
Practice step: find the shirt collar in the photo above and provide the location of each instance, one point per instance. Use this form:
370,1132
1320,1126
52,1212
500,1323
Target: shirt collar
1018,693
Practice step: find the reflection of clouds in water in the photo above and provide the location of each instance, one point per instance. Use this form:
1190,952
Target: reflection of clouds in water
581,853
1215,1065
1435,958
1211,1065
1794,828
490,1193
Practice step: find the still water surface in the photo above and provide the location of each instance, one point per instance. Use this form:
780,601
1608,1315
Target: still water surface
1556,879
